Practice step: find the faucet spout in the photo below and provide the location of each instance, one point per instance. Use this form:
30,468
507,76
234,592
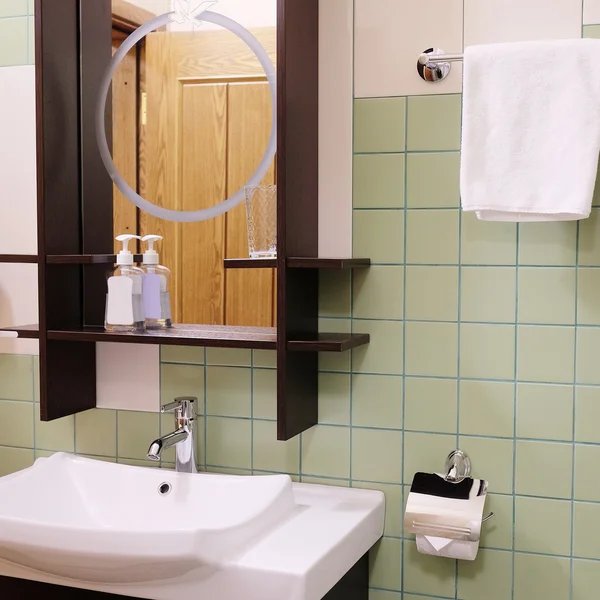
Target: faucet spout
183,438
165,442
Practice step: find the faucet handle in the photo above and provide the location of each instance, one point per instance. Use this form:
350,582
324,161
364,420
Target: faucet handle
181,403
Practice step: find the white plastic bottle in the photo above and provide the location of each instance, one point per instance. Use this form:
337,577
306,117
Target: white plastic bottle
155,288
124,306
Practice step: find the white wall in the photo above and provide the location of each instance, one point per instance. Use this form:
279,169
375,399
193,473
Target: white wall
156,6
336,42
18,222
249,13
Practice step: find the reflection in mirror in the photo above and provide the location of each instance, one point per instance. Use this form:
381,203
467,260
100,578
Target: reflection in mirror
191,117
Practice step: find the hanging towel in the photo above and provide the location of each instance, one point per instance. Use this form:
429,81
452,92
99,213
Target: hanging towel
531,130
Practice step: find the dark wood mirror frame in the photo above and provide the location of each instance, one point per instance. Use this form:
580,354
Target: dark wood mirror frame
75,227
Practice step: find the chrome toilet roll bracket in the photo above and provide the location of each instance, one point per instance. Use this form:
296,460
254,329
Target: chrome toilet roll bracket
458,468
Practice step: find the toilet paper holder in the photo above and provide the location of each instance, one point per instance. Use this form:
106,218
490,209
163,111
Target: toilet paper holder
458,468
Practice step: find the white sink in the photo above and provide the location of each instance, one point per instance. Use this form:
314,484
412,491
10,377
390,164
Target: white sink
107,527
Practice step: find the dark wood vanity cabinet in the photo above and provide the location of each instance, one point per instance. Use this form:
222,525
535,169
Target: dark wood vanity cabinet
354,586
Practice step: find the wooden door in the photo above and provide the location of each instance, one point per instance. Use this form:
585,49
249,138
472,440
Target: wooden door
125,136
207,122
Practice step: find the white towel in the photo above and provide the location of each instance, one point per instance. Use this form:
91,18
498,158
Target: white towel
531,130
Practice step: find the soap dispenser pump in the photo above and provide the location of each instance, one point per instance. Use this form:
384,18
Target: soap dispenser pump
124,307
155,289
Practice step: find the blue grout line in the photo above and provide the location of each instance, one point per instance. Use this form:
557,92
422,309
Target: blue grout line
415,96
459,315
117,434
573,426
477,379
390,263
492,323
406,152
352,274
404,308
515,409
36,407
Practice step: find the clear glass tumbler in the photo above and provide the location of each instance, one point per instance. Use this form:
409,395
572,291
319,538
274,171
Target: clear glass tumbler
261,208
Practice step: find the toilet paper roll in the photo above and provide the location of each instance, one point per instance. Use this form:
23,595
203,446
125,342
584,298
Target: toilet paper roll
447,548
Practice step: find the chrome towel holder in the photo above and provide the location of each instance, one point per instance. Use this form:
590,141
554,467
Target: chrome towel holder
433,65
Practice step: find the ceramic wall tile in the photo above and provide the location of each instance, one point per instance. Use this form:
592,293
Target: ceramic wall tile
545,577
14,48
13,8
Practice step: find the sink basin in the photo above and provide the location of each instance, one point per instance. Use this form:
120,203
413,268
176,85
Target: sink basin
151,533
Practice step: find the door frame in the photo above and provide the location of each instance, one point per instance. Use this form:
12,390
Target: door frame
127,17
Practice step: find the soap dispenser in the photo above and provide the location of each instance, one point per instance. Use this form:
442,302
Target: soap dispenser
124,306
155,288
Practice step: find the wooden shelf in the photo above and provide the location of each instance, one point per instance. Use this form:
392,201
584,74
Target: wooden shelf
230,263
31,332
328,263
86,259
214,336
298,263
250,263
19,258
257,338
330,342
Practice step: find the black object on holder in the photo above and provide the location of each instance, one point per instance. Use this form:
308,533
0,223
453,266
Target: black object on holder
434,485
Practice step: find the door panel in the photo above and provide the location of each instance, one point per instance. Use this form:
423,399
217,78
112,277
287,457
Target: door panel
204,178
160,134
124,107
208,122
249,292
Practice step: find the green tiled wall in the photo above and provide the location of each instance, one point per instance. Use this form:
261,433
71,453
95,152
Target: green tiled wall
16,32
485,336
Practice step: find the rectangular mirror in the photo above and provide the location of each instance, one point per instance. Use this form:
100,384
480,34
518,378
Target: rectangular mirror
191,117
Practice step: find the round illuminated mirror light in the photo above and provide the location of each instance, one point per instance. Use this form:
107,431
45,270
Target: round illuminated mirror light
266,161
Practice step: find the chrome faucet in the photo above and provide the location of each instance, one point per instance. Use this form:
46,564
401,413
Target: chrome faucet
183,438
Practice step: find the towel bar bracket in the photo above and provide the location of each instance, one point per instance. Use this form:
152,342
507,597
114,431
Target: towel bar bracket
430,69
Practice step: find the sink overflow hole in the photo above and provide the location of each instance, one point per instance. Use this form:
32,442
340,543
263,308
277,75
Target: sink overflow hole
164,489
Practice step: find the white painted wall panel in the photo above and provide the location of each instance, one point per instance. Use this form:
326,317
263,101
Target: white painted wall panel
390,34
128,377
335,133
591,12
490,21
18,221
